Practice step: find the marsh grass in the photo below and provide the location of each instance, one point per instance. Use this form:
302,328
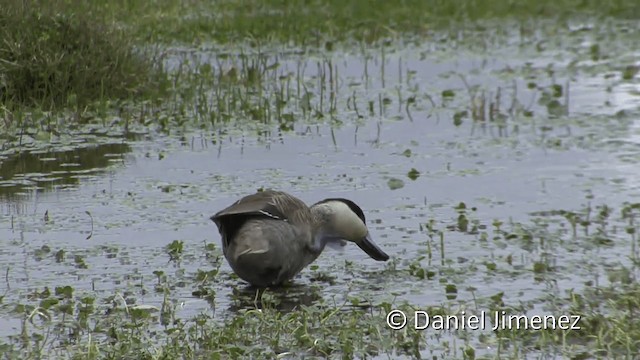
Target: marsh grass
319,23
77,55
52,60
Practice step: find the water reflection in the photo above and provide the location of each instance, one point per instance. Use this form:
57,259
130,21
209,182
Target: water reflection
285,299
23,173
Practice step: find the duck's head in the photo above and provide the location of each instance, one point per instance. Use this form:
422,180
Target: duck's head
342,219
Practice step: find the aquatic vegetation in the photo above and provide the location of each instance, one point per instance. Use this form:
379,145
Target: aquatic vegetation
311,319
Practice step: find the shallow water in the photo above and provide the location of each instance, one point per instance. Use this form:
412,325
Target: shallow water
118,204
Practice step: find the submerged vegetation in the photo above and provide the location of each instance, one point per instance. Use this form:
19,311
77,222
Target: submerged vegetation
311,319
81,80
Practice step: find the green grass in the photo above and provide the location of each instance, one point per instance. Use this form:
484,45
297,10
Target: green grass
65,60
315,22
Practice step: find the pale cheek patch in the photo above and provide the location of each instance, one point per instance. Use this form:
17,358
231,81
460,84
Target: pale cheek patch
348,224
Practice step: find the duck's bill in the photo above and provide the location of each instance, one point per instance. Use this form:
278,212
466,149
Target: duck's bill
368,246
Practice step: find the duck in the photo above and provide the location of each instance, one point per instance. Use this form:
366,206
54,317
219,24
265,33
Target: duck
270,236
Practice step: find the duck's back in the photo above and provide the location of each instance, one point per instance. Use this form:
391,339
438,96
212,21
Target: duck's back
266,236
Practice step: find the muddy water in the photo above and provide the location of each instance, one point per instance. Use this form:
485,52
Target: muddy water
117,206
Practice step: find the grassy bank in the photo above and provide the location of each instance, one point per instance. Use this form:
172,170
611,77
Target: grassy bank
70,54
305,22
52,60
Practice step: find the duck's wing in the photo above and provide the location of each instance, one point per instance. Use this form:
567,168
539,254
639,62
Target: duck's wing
269,203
